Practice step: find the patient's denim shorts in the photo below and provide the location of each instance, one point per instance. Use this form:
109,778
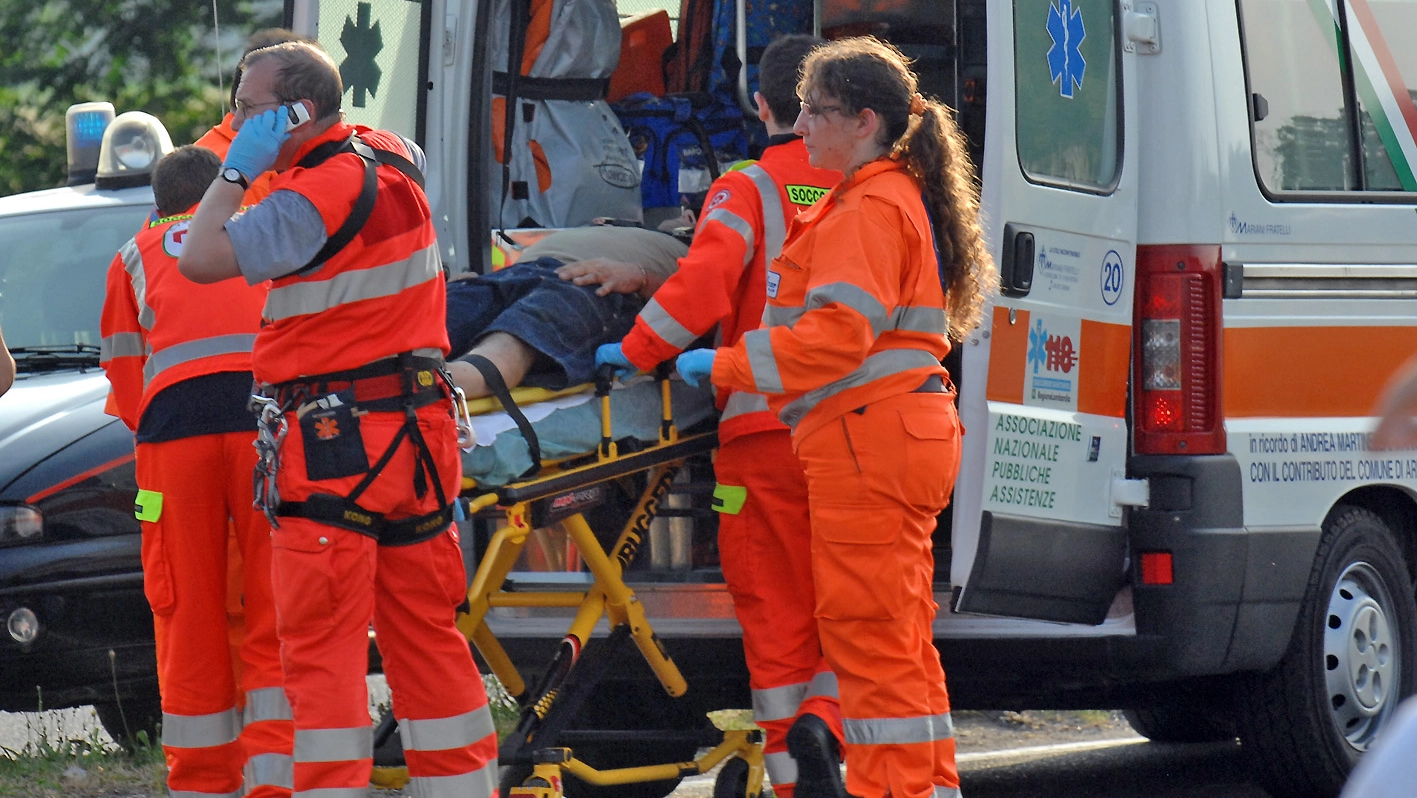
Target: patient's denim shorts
562,321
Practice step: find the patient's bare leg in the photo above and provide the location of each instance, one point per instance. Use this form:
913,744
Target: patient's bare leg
507,352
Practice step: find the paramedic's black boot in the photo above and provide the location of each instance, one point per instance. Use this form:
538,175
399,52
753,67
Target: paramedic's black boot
811,742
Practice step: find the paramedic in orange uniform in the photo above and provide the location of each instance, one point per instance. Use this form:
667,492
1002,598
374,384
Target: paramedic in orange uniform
178,356
849,357
764,533
219,138
350,359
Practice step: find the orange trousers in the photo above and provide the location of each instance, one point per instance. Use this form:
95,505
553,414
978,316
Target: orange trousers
216,722
765,547
876,479
331,584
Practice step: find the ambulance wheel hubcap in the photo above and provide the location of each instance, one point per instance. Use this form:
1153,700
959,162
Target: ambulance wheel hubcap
1359,653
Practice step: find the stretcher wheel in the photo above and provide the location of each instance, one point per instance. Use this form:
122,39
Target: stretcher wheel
732,780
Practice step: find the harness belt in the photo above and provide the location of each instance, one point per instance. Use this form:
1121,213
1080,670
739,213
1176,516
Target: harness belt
341,512
405,382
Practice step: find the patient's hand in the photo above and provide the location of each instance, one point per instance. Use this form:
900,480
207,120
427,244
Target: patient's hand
612,276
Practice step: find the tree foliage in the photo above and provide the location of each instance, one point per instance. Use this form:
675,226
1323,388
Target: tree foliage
158,56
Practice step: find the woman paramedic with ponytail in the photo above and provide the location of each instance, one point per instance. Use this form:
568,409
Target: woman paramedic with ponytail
873,284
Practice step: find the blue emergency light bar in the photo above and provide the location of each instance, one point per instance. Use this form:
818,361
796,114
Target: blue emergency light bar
84,124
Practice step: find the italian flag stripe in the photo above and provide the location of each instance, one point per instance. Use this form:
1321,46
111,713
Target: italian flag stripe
1385,94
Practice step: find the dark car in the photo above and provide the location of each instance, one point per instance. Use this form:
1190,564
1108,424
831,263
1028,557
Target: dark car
77,626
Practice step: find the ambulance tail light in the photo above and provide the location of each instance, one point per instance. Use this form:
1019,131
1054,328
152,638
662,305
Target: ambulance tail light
1176,373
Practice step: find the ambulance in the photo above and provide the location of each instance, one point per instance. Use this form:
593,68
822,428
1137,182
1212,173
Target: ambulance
1204,213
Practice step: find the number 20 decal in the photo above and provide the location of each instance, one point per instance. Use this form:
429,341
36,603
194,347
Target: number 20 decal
1113,277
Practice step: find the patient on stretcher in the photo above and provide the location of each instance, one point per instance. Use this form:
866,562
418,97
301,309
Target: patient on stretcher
540,320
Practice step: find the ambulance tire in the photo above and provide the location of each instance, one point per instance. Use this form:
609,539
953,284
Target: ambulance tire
1174,723
133,724
1304,724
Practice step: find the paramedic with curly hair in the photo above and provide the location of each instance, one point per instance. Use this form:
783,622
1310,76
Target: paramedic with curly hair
349,358
874,282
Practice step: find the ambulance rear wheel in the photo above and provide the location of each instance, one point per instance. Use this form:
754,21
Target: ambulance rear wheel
1352,657
134,723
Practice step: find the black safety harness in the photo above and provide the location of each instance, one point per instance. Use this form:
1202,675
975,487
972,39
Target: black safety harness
402,383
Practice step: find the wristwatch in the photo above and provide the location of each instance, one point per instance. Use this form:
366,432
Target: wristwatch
233,175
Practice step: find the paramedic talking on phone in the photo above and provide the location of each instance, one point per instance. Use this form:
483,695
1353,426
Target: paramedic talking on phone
873,283
350,360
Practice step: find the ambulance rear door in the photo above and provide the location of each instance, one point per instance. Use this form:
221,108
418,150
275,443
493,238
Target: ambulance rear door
1039,505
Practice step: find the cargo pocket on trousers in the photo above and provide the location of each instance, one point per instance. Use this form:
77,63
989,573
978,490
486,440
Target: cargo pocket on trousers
854,562
449,568
931,456
157,571
302,569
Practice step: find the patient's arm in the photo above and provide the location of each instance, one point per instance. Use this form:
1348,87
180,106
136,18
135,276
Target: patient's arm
511,357
613,276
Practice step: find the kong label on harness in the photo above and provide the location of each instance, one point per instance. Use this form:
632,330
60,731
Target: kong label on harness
329,433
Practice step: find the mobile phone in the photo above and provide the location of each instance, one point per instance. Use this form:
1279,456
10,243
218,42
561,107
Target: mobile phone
296,116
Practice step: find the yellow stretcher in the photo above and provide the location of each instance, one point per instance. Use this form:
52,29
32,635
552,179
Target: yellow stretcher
533,757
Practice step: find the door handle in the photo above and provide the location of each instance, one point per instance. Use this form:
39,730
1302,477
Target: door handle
1016,272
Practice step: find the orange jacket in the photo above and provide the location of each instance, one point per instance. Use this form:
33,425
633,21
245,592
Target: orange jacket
855,309
381,295
723,279
159,328
218,140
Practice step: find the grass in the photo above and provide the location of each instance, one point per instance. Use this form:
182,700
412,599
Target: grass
56,762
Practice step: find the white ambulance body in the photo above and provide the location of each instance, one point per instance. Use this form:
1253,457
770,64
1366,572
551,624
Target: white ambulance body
1205,215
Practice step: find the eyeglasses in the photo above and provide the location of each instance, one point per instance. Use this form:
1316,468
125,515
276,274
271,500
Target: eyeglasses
818,111
248,109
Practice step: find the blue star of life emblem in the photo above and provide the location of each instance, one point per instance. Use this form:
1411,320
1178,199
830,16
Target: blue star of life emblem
1037,341
1065,61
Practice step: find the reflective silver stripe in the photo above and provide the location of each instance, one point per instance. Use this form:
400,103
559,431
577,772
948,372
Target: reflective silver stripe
196,349
335,792
441,734
946,792
334,745
823,683
758,345
738,225
920,318
852,296
899,731
778,703
120,345
782,769
665,325
200,731
477,784
774,230
305,297
275,770
133,265
267,703
194,794
881,364
741,403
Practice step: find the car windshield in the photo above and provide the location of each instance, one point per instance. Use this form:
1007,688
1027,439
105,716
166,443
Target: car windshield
52,274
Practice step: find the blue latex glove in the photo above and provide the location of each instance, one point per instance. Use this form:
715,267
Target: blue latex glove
258,142
613,355
695,365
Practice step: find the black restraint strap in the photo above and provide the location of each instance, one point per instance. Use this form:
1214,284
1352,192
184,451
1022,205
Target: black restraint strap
498,386
368,192
532,88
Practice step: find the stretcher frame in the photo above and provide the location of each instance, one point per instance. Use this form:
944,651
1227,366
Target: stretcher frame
546,706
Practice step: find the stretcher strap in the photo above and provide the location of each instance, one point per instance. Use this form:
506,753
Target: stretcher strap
340,512
498,387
